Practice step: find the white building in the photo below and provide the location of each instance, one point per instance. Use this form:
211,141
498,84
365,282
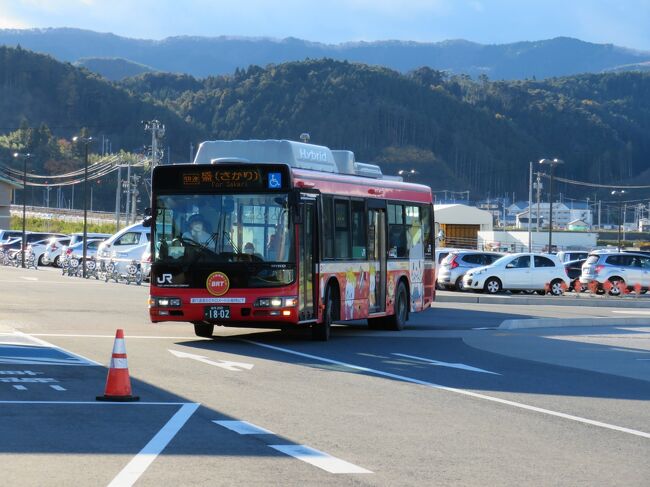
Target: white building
460,224
562,215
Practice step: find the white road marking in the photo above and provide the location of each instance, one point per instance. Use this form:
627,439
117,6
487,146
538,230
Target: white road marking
224,364
244,428
447,364
630,312
50,345
153,337
20,388
486,328
319,459
476,395
137,466
58,388
29,278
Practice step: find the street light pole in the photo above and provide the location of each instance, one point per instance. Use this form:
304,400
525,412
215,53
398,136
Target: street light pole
620,193
552,163
84,245
24,157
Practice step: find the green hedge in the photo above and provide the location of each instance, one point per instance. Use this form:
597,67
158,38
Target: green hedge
35,224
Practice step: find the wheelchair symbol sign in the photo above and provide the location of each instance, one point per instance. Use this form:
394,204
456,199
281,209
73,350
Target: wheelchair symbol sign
275,180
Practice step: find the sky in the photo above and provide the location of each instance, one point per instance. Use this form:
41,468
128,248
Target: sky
621,22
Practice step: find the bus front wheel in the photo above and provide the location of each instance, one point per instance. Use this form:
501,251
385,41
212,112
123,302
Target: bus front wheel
203,330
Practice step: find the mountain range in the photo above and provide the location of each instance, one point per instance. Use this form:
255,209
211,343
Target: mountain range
116,57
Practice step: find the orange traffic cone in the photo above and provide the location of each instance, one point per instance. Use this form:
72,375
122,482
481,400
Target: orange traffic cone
118,384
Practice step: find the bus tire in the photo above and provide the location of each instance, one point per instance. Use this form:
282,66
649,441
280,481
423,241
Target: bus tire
203,330
398,320
321,331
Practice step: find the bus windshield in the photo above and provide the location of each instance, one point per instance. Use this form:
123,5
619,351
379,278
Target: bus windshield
209,228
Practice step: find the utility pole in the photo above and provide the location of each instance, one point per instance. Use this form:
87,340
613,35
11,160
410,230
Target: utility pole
134,197
530,207
118,193
24,157
538,186
599,207
128,191
191,152
157,130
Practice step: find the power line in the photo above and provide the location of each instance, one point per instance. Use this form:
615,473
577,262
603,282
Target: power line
594,185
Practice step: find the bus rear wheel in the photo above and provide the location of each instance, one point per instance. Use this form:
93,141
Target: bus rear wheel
203,330
321,331
398,320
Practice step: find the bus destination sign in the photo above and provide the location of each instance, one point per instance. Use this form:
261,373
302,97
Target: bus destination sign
234,178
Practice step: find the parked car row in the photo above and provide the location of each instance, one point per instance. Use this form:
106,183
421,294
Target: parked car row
599,271
121,249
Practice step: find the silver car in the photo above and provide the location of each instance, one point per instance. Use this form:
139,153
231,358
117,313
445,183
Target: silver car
620,270
457,263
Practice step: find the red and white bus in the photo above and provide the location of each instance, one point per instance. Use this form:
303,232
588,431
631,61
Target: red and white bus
276,234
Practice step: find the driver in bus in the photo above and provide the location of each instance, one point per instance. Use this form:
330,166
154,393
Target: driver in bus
197,231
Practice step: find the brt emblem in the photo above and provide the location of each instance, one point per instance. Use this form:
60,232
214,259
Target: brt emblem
217,284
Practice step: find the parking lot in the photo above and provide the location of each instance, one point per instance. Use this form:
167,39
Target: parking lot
453,399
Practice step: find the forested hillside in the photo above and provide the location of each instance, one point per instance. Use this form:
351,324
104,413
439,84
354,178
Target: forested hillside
459,134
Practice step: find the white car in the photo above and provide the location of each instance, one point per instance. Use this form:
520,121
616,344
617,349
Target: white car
56,251
520,272
50,253
124,240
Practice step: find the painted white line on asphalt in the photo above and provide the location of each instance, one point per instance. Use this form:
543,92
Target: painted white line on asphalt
50,345
137,466
476,395
630,312
244,428
486,328
20,388
224,364
447,364
30,278
319,459
58,388
187,337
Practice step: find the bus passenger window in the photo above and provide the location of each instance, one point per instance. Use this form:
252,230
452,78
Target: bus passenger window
328,229
397,232
358,231
342,229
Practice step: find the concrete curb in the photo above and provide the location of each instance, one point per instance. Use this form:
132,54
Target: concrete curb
587,301
518,324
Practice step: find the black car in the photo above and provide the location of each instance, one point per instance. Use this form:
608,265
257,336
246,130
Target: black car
573,270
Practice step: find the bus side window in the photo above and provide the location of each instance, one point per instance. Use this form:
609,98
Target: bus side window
328,228
342,228
397,232
427,240
359,231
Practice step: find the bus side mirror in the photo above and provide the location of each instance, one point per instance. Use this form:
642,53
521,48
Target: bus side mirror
147,211
147,221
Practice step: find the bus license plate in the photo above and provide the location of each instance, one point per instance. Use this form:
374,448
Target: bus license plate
217,312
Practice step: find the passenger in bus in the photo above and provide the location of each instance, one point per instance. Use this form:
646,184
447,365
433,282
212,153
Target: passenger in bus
249,248
197,231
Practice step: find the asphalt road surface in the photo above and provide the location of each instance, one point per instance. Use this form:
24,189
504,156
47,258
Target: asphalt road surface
451,400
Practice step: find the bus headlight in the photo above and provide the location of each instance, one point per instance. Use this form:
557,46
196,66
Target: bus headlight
277,302
166,302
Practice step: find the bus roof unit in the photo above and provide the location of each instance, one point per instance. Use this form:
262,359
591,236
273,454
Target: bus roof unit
297,154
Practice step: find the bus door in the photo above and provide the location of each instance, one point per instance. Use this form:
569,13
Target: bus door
308,241
377,255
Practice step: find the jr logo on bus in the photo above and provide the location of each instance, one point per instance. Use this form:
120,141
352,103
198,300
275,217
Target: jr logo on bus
217,284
